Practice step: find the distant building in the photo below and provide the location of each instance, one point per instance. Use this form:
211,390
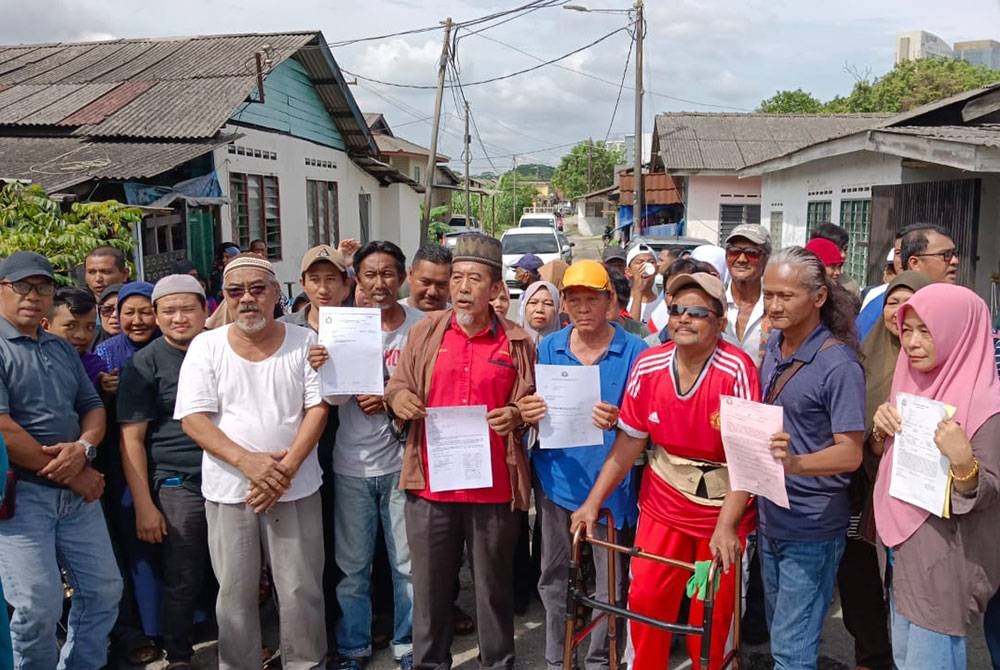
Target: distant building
921,44
979,52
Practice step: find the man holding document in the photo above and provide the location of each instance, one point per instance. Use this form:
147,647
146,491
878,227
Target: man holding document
464,464
687,512
568,460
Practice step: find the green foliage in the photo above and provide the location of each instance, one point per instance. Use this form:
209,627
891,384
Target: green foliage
909,84
534,172
509,204
570,177
791,102
31,221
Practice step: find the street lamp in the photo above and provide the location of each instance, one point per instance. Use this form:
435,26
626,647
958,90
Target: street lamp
638,201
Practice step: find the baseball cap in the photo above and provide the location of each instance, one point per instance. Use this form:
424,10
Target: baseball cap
612,253
529,262
827,251
174,284
710,284
637,250
108,291
22,264
587,274
754,232
324,252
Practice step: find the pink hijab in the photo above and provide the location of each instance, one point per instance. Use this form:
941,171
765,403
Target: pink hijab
965,377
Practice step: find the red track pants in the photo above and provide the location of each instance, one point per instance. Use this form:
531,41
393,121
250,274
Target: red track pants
656,591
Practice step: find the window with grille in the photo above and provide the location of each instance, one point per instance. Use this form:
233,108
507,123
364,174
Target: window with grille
817,212
255,211
322,212
855,218
595,208
731,216
777,223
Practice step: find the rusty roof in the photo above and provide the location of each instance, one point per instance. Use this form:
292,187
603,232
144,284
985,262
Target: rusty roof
389,145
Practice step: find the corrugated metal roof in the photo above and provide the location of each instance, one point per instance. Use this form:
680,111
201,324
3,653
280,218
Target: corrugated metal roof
41,97
388,144
106,105
70,101
985,135
701,141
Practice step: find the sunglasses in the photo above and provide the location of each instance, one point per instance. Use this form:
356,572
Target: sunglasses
693,312
752,253
237,292
945,255
26,287
108,310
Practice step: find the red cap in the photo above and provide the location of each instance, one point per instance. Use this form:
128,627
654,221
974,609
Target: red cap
827,251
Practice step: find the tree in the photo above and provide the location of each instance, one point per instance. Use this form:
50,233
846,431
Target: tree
31,221
509,205
791,102
570,176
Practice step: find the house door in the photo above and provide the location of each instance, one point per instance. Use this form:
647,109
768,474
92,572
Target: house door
201,238
952,204
364,213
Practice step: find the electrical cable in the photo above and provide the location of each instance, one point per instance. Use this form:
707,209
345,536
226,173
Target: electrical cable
614,112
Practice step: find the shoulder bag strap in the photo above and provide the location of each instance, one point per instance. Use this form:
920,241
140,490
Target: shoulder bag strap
790,371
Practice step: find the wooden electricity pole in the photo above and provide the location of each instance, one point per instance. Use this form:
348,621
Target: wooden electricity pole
432,157
468,157
638,201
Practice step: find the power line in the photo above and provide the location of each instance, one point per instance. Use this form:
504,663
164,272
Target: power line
614,112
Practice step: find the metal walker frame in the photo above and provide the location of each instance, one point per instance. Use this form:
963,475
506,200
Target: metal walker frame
611,611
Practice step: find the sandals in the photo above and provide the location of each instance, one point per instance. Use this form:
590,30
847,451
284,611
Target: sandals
144,653
463,623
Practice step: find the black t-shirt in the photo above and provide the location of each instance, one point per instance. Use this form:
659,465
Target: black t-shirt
147,391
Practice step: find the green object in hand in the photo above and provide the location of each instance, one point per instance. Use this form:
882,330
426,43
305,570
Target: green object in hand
699,580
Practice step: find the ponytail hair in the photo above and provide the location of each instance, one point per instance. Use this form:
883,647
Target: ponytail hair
838,311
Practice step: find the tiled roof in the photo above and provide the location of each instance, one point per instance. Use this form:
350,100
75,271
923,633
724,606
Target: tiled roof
729,142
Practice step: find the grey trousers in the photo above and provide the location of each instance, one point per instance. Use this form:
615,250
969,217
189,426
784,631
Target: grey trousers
437,532
290,535
556,548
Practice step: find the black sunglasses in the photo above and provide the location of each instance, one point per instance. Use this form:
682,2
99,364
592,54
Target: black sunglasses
237,292
752,253
25,287
693,312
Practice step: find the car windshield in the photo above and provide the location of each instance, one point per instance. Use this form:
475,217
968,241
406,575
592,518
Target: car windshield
536,223
530,244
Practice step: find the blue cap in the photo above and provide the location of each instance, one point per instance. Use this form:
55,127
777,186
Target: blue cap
22,264
529,262
134,288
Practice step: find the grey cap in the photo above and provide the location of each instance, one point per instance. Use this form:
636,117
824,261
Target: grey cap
613,253
22,264
754,232
174,284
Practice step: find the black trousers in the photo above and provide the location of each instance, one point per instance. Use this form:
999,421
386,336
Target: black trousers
866,614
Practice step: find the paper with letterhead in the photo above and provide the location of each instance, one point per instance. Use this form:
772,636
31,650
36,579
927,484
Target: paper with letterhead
353,338
747,427
458,448
570,393
921,474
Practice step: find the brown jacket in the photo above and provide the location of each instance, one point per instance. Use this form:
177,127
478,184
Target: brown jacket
413,373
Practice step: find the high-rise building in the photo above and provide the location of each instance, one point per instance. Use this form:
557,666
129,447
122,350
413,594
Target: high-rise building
921,44
979,52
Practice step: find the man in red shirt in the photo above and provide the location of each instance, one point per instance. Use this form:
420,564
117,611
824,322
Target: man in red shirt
461,357
686,510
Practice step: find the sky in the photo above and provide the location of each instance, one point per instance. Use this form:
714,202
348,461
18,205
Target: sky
700,55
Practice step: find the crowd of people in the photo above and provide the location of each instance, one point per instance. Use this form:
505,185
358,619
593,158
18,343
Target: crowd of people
175,470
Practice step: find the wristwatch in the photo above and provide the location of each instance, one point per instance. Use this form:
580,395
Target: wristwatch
89,449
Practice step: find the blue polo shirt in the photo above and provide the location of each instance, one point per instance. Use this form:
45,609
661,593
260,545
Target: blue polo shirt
43,387
567,475
826,396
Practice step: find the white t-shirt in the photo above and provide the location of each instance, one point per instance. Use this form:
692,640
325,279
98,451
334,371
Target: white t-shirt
259,406
365,447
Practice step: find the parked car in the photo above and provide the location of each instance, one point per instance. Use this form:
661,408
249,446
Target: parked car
461,221
546,243
538,220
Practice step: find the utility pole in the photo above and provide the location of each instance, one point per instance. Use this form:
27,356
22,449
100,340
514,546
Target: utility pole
468,157
590,148
513,203
432,158
638,202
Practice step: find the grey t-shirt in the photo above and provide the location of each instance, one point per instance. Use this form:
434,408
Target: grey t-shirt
365,447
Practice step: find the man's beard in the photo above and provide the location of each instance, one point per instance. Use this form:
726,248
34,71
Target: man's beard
255,326
464,318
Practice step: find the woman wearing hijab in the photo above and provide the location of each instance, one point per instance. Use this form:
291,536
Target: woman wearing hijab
943,570
538,312
862,595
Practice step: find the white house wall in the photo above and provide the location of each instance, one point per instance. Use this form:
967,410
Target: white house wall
704,196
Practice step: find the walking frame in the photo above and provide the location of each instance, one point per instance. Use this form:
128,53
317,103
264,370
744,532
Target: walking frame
576,595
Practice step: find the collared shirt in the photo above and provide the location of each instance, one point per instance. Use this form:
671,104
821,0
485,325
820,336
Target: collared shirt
826,396
755,333
43,387
299,318
474,370
567,475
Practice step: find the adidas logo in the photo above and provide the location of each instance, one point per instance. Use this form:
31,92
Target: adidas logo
654,417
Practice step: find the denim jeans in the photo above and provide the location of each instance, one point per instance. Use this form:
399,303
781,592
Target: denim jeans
54,528
991,629
915,648
798,588
360,503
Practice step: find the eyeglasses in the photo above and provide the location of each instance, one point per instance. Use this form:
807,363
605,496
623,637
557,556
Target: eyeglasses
25,287
945,255
108,310
694,312
237,292
752,253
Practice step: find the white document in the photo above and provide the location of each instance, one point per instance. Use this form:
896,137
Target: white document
570,393
353,338
747,427
920,472
458,448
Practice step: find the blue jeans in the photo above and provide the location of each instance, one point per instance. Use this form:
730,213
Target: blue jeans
54,528
798,587
915,648
359,503
991,629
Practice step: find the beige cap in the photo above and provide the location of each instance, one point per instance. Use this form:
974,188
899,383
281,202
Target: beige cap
710,284
324,252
